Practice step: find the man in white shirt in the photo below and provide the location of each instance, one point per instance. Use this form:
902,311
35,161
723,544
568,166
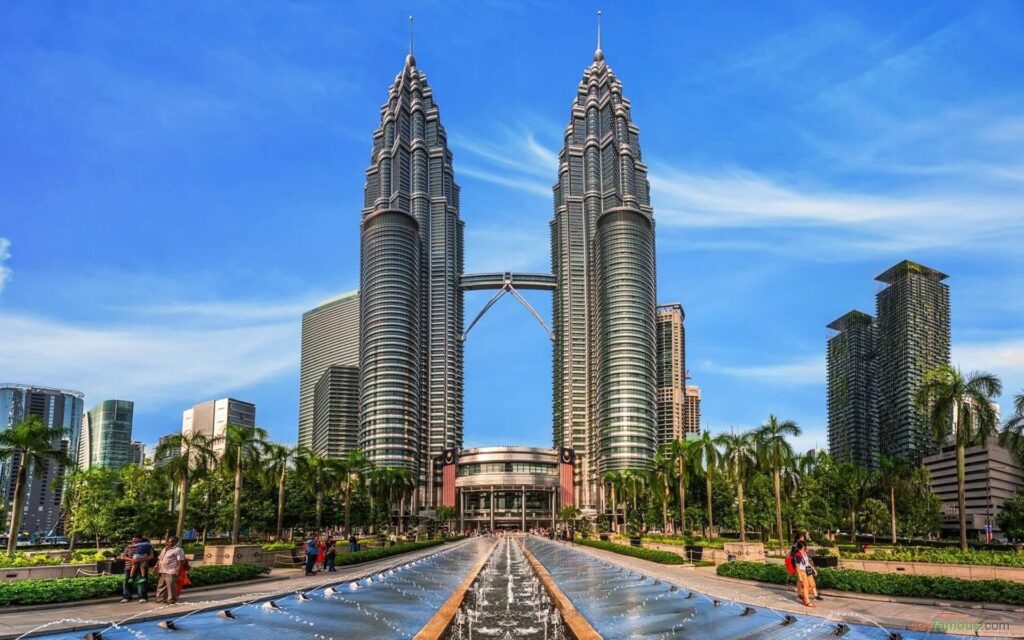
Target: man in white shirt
169,564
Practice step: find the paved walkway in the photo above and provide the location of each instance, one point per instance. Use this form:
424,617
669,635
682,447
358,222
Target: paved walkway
838,606
72,616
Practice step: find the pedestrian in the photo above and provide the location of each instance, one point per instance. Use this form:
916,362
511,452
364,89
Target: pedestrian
312,550
353,543
805,574
169,564
136,555
321,549
329,554
801,537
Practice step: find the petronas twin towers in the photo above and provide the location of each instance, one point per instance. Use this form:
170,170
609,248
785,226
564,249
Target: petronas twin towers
411,281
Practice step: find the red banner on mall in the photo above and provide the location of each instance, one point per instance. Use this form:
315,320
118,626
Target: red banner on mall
450,460
566,476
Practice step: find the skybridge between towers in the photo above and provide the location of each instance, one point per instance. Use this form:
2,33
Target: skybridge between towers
508,282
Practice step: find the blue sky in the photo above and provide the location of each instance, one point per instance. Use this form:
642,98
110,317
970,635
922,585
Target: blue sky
179,181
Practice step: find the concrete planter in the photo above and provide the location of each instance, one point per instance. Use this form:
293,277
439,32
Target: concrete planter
964,571
237,554
744,551
44,573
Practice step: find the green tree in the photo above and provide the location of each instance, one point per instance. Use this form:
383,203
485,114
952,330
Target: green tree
740,458
775,453
960,406
660,474
317,474
1011,518
682,451
32,446
614,481
873,516
243,448
708,458
95,507
444,514
139,504
893,477
186,456
857,486
352,473
276,463
1012,436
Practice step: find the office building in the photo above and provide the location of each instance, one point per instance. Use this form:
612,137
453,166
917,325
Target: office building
330,337
411,309
691,411
211,418
913,339
336,412
138,453
106,437
992,476
56,408
852,390
166,453
602,239
671,359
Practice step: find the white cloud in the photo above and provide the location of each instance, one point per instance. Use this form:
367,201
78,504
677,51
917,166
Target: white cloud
156,360
1005,358
806,371
5,255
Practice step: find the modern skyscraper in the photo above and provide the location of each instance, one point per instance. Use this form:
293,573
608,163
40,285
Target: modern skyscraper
852,390
330,337
106,437
671,360
55,408
411,311
913,339
602,239
168,453
336,412
138,453
691,418
211,418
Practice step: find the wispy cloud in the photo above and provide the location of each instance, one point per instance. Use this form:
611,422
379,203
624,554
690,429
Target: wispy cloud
804,371
505,249
1005,358
514,158
5,255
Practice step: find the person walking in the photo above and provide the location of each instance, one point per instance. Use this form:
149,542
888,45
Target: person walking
353,543
805,573
330,552
168,565
312,550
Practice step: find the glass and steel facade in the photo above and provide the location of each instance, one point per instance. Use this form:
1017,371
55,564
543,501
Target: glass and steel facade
336,413
411,386
106,437
330,337
602,255
507,488
55,408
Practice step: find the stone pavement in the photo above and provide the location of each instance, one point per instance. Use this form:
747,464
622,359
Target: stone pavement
71,616
838,606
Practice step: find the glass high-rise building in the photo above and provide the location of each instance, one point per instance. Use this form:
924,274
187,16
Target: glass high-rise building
106,437
913,339
55,408
411,310
671,359
602,240
336,412
852,390
330,337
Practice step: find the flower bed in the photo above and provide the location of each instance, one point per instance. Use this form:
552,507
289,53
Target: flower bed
888,584
942,556
25,592
663,557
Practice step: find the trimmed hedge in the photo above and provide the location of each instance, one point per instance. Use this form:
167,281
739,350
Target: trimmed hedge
943,556
662,557
683,541
886,584
53,590
383,552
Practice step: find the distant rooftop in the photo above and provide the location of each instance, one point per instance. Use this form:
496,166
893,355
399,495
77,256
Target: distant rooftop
336,299
852,318
908,267
669,307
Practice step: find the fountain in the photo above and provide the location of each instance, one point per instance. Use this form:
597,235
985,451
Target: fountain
507,601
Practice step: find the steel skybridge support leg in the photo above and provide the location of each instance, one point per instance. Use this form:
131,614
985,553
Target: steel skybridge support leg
530,308
490,303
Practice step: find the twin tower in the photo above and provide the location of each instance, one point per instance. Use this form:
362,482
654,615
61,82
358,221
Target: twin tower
603,283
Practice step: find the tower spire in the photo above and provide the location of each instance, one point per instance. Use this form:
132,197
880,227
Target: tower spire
410,59
598,54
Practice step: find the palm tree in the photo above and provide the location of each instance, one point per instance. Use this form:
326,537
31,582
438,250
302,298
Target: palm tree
660,472
739,456
614,481
317,473
36,446
708,457
243,447
681,450
1012,436
276,461
947,393
858,483
775,453
69,501
186,456
352,469
893,476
